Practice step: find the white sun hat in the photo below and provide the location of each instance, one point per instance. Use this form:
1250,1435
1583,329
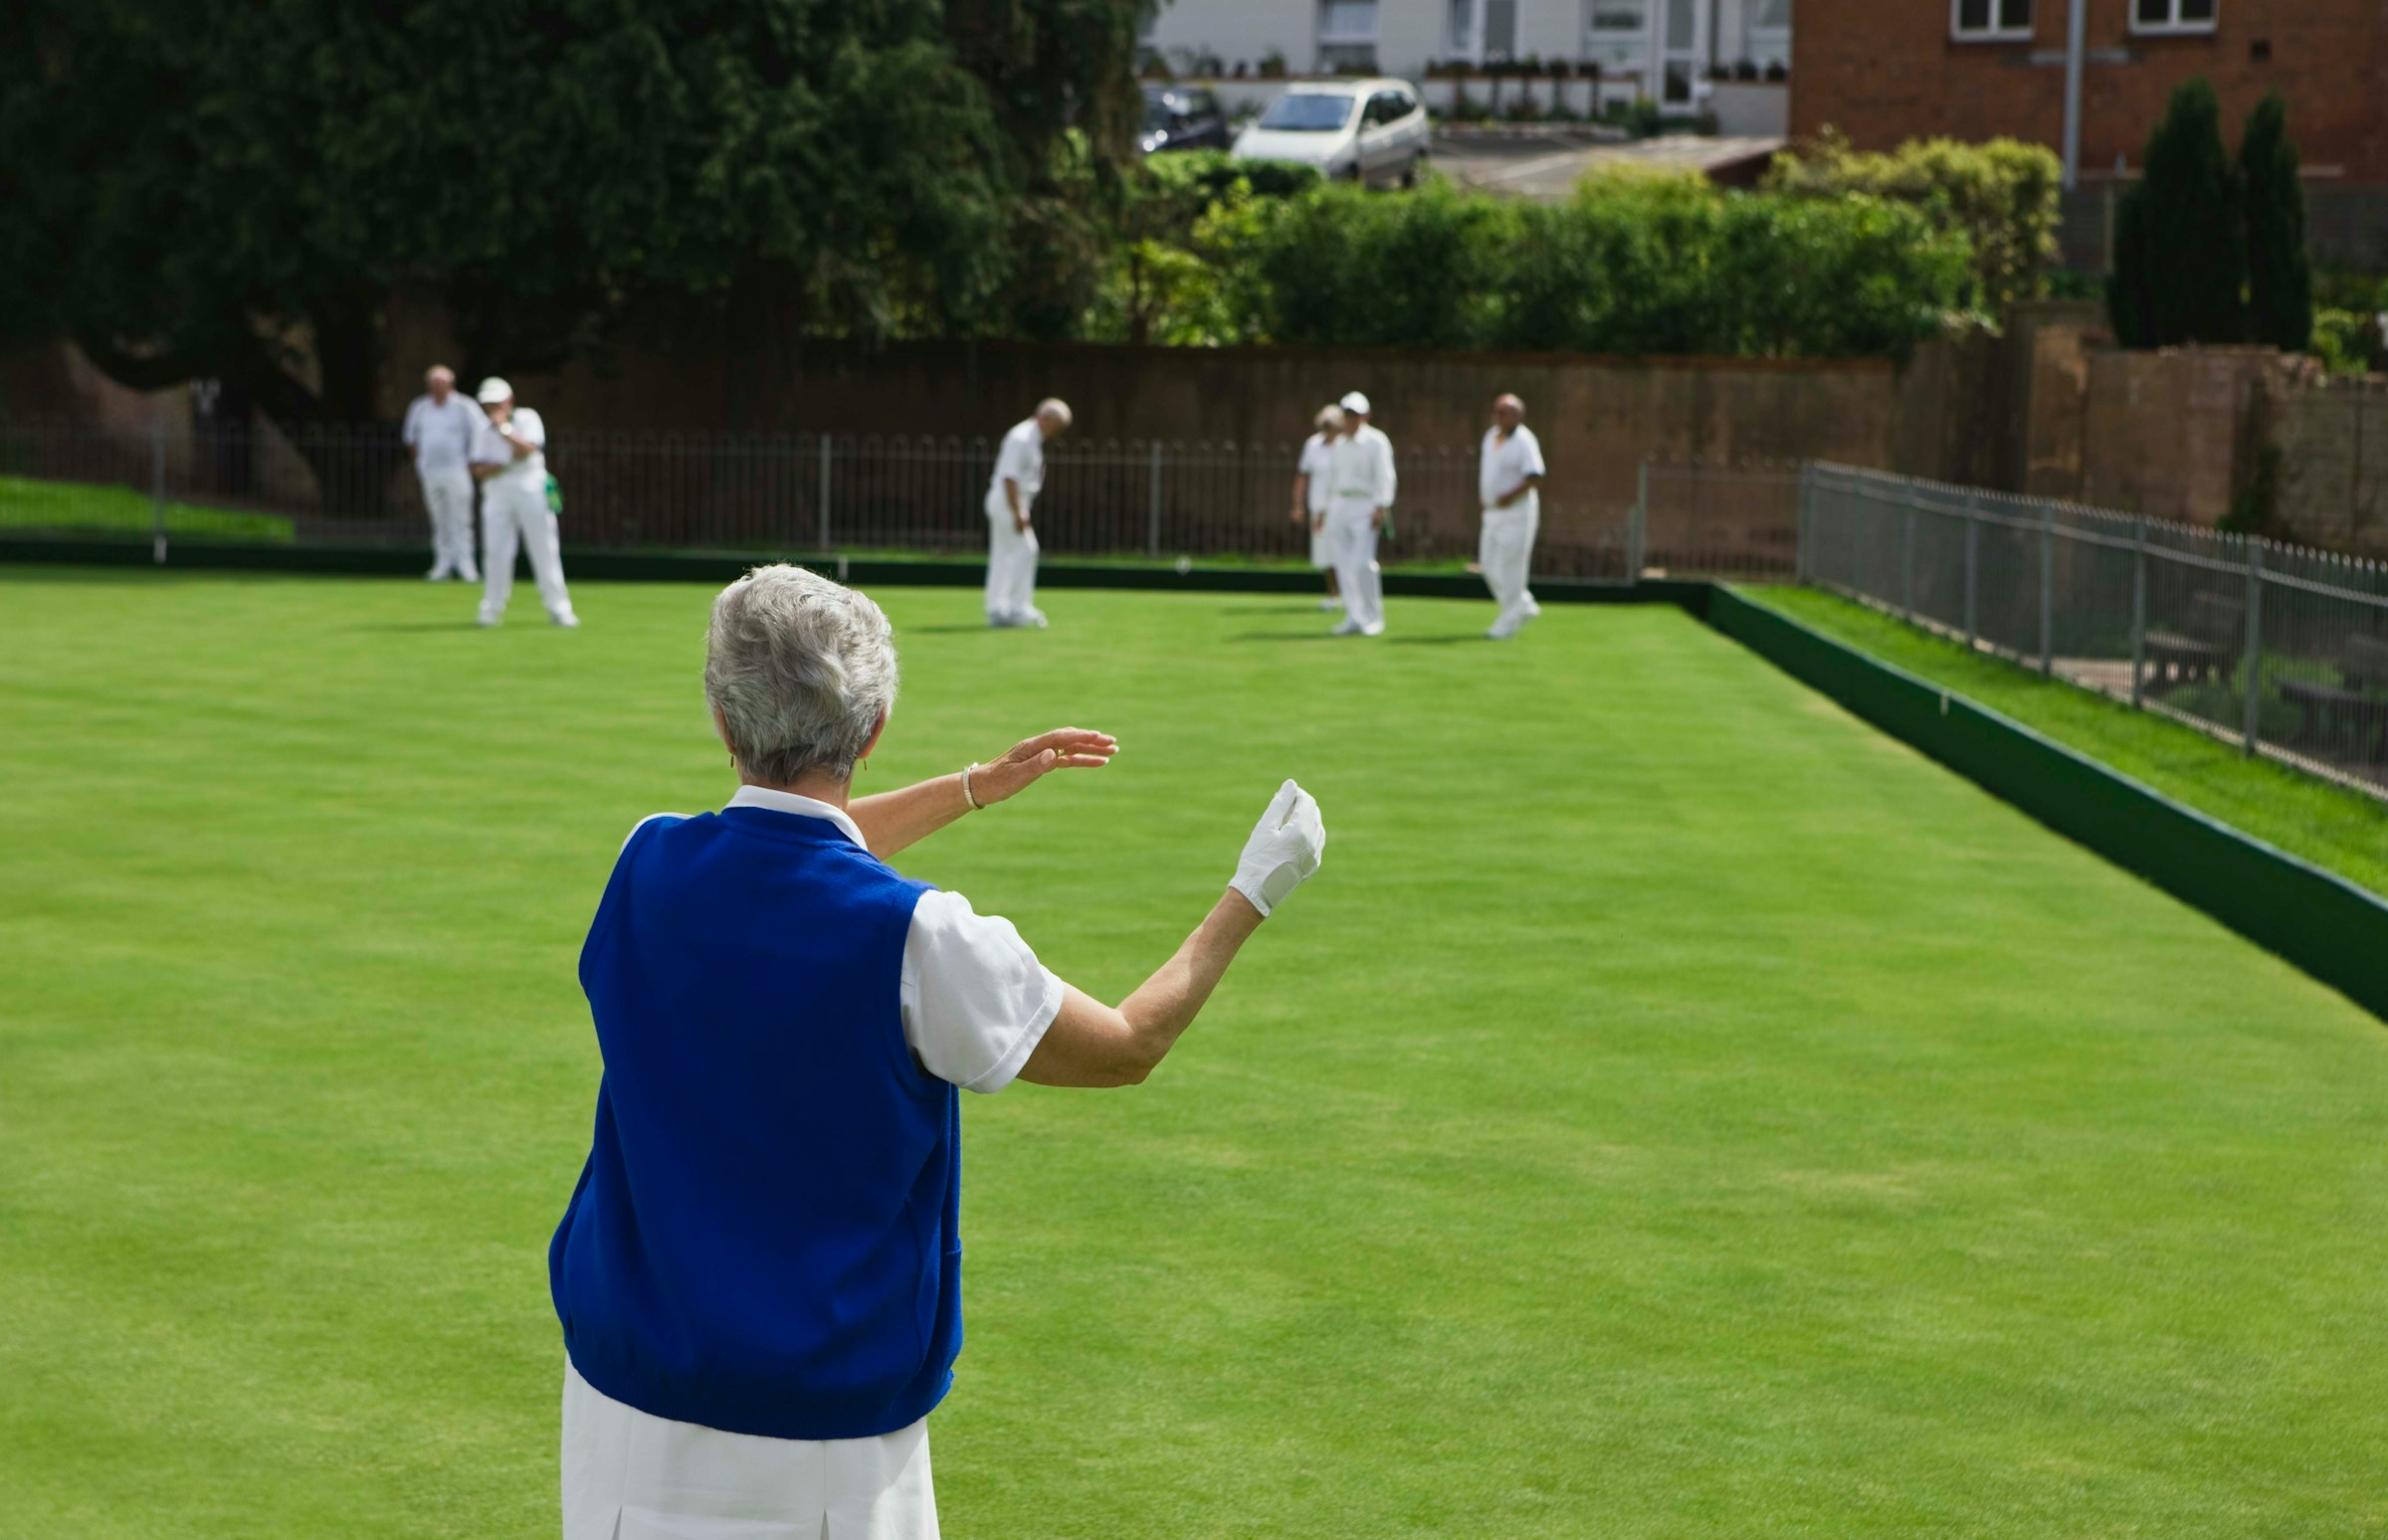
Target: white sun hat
493,390
1355,402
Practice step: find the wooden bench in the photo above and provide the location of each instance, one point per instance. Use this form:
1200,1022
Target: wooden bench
2359,700
2207,646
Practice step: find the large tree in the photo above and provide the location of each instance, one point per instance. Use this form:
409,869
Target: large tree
235,191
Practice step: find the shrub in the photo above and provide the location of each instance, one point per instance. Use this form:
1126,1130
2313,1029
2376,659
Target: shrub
1631,262
2280,275
2180,245
2347,342
2002,196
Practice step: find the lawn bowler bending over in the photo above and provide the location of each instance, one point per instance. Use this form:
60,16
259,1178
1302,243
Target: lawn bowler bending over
1011,495
758,1275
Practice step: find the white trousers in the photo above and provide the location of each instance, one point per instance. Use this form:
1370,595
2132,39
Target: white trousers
1323,553
448,498
513,513
1011,565
1506,550
1351,539
629,1475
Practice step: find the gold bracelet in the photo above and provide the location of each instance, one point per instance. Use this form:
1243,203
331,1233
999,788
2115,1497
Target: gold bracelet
968,796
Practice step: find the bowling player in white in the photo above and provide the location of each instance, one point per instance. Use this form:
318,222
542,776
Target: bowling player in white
510,459
1011,497
1508,482
438,429
1362,482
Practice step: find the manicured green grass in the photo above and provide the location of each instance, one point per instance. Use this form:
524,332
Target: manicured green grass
72,507
2333,827
1675,1110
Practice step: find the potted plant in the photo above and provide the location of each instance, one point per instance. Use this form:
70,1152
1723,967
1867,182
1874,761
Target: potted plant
1778,71
1745,70
1272,65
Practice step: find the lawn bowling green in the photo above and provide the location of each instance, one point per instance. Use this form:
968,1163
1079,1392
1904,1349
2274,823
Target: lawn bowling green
1675,1109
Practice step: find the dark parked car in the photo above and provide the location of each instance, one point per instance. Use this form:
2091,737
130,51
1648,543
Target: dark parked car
1180,117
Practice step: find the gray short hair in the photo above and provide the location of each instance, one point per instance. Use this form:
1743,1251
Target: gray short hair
801,670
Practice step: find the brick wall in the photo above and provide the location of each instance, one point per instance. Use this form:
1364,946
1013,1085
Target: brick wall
1885,73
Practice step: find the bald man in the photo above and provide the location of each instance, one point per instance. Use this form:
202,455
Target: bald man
1508,482
1011,498
439,431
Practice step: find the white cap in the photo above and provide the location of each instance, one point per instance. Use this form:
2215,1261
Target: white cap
1355,402
493,390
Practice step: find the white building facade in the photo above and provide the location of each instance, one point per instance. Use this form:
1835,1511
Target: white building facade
1670,47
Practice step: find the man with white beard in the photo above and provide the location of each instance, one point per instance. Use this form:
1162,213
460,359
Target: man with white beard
1508,481
439,431
1362,481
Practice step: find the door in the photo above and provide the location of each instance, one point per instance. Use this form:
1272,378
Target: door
1683,51
1377,137
1501,31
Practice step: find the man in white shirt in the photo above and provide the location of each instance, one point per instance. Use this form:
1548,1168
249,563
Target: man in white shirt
439,431
1310,497
1362,482
1011,495
510,459
1508,482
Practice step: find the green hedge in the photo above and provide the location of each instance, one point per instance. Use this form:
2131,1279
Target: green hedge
1632,263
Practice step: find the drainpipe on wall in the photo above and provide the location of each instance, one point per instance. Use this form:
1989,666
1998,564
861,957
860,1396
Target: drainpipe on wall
2075,25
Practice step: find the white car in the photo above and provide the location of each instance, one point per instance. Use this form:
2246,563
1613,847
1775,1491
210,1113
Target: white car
1372,131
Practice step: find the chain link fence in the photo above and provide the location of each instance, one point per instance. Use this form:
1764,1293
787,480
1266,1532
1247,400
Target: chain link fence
2282,648
761,494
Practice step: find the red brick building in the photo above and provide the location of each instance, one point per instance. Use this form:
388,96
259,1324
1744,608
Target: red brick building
1885,71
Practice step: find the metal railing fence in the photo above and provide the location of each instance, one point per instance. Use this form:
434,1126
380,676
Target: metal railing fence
2282,648
760,492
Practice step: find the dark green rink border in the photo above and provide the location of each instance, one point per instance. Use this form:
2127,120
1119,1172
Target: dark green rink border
702,567
2315,920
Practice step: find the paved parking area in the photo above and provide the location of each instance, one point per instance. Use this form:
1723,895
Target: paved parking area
1548,167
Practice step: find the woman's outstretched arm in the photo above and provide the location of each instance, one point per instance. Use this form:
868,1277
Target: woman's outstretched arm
893,819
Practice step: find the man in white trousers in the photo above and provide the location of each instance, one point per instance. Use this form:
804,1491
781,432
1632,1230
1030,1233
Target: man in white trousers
510,462
1310,495
1011,495
439,431
1508,482
1362,481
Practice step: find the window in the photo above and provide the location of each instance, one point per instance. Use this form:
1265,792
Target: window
1346,21
1770,14
2172,15
1617,33
1308,111
1347,36
1991,21
1461,34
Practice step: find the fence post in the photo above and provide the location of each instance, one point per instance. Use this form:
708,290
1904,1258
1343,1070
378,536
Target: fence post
1973,563
2252,665
824,449
1906,564
2139,612
2048,589
157,486
1152,531
1637,528
1802,518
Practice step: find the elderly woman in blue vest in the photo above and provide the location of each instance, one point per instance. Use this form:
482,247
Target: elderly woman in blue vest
760,1273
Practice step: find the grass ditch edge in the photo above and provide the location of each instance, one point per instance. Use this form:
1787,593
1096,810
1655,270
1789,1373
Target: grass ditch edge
2316,920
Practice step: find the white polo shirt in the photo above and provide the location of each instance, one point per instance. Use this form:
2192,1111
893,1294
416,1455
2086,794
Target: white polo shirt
489,447
1021,458
1363,472
975,1003
1506,463
441,436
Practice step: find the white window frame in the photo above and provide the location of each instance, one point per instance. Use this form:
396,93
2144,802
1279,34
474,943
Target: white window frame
1993,33
2175,27
1769,37
1375,15
1599,41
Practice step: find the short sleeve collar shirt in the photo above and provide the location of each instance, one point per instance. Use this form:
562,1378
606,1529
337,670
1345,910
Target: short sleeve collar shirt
1506,463
974,1000
1021,459
442,435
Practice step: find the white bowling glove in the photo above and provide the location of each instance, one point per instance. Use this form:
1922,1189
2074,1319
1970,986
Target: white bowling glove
1284,849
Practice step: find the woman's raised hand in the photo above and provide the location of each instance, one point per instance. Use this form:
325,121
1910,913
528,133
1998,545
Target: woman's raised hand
1064,748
